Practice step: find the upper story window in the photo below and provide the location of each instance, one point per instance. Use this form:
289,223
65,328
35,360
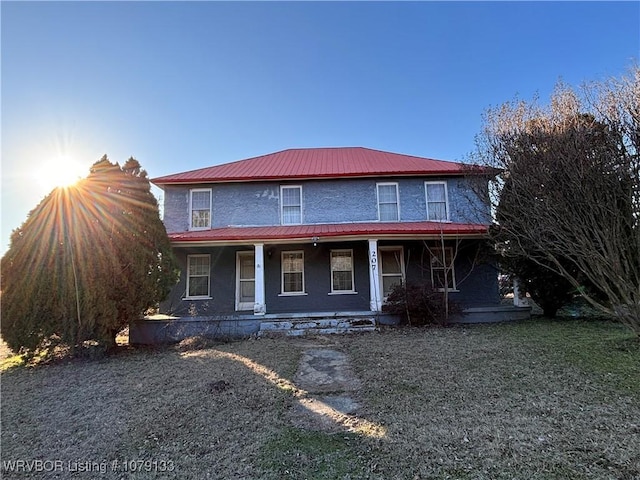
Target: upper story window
437,203
342,271
291,205
200,208
388,207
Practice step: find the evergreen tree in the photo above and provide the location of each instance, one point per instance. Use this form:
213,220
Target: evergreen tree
88,260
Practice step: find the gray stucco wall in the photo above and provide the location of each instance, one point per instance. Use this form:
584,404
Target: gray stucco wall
477,282
176,208
336,201
222,286
324,201
464,206
318,280
476,276
232,204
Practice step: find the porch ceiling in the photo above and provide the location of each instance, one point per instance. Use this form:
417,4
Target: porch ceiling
333,232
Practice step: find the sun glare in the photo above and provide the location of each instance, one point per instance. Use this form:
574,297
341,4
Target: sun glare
62,171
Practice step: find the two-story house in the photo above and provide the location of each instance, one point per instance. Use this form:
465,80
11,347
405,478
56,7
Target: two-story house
317,235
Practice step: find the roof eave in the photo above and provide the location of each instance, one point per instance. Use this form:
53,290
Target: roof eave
325,239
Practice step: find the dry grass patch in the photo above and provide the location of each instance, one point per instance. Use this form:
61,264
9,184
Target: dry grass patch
504,401
153,405
536,400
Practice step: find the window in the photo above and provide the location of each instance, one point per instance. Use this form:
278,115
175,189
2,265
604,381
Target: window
198,276
388,202
292,272
291,205
200,206
442,271
342,271
437,205
391,268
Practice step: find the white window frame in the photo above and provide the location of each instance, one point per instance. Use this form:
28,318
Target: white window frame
282,205
390,248
208,275
240,306
335,291
436,253
282,273
191,192
446,200
387,184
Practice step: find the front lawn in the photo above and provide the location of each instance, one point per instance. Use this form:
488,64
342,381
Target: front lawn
532,400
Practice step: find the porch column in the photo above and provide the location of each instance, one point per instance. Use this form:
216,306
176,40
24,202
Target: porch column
259,307
519,296
375,302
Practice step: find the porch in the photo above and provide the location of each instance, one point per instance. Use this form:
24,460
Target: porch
166,329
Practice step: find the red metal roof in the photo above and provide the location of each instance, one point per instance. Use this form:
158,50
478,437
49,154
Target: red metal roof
305,163
274,234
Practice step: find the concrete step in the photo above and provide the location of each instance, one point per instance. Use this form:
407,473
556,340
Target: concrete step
317,326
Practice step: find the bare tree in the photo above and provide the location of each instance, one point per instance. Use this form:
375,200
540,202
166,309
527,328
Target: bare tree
568,196
443,253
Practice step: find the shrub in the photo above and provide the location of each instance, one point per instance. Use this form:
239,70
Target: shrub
420,304
548,289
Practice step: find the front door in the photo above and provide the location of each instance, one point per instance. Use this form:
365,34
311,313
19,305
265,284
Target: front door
245,281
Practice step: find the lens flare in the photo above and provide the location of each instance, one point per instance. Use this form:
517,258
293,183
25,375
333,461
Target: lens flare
62,171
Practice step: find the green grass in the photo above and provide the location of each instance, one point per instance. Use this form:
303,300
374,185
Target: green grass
539,399
297,453
602,348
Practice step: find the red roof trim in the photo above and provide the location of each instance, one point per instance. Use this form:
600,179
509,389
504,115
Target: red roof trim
298,164
333,231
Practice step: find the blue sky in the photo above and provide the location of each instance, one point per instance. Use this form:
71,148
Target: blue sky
184,85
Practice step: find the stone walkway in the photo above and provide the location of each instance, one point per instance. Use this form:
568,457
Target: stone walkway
327,385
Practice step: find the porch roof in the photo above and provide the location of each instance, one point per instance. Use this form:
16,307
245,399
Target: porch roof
333,232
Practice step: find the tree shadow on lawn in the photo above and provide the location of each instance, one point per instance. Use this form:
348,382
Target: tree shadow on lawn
478,402
205,406
314,439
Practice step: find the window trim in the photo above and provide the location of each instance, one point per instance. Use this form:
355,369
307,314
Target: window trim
282,272
188,276
334,291
282,188
191,192
395,184
403,274
452,271
446,199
